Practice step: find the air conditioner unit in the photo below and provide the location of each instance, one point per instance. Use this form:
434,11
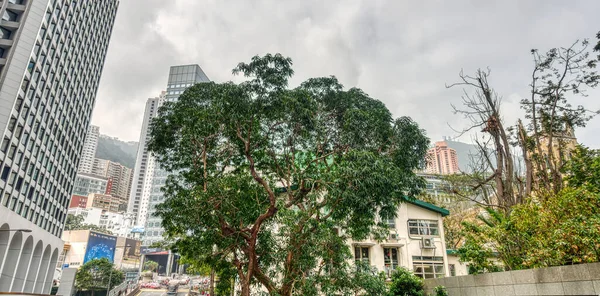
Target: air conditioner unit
427,243
394,236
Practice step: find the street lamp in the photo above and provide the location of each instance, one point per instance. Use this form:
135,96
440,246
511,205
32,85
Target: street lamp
21,230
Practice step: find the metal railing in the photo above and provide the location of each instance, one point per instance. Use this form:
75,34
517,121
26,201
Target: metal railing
122,289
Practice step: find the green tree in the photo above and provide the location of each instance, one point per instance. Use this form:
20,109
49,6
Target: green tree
96,275
405,283
151,266
275,180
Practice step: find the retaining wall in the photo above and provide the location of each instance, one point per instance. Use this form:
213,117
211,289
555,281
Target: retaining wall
582,279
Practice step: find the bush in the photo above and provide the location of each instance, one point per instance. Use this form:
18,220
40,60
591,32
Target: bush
405,283
440,291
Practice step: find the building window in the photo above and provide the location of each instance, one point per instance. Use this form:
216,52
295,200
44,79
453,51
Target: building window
10,16
428,267
390,222
361,254
390,260
452,268
423,228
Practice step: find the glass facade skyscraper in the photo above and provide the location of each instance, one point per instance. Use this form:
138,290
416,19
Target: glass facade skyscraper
51,57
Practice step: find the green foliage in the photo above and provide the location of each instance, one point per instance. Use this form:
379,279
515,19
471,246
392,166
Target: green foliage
405,283
275,180
440,291
583,171
548,230
97,273
150,265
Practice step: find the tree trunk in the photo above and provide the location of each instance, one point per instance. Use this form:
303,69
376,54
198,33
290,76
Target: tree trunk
212,281
245,289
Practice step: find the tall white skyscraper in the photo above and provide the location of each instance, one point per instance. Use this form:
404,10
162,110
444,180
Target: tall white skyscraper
148,177
86,162
144,165
51,58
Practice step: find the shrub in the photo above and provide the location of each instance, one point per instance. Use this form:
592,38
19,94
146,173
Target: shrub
405,283
440,291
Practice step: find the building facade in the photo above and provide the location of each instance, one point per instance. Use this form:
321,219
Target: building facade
106,202
52,55
119,177
416,242
117,223
180,78
144,164
442,160
85,184
89,150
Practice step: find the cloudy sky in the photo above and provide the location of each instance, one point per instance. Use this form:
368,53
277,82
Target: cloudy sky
400,52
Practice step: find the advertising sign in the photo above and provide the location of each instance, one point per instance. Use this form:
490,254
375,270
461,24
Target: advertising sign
100,246
133,247
147,250
137,229
131,276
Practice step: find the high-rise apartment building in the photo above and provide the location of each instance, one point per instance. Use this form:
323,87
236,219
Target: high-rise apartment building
119,177
51,58
148,186
89,150
442,160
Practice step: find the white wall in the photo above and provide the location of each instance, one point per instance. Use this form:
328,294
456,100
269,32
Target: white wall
117,223
459,267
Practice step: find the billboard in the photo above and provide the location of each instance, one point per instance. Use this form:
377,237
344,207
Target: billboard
100,246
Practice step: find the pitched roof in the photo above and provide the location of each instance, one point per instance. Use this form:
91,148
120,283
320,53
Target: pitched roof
427,206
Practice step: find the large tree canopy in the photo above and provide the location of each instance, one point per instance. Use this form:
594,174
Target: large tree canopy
274,180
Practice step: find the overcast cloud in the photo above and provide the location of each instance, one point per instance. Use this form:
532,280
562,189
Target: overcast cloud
400,52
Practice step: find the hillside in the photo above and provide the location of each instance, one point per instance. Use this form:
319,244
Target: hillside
116,150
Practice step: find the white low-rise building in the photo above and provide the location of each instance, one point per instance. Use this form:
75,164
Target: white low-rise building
118,224
416,242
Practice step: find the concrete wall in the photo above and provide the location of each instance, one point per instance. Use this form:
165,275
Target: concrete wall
583,279
27,259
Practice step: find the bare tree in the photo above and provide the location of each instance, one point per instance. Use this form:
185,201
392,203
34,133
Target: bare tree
482,109
549,135
544,140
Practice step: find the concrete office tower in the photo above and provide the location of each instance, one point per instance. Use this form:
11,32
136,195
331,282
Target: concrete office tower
442,160
144,164
180,78
89,150
52,55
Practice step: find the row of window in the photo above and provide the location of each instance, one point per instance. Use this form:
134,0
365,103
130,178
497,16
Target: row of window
179,85
423,266
417,227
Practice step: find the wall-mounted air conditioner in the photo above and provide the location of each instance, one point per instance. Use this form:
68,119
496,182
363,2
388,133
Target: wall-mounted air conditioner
427,243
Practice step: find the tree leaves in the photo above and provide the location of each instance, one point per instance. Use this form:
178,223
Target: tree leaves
271,179
96,274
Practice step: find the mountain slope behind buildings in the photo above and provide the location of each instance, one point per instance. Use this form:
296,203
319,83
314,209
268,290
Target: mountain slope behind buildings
116,150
